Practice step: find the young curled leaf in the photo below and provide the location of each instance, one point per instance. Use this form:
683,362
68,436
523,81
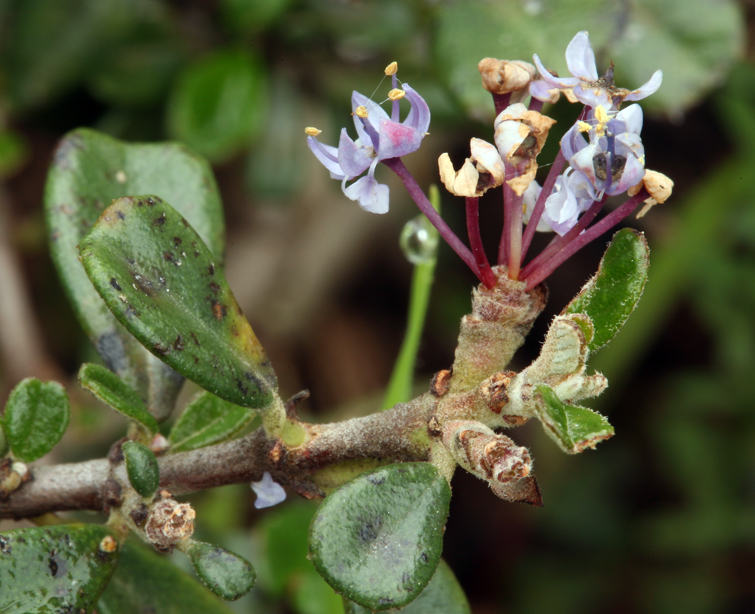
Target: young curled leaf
161,282
141,466
613,292
572,427
112,390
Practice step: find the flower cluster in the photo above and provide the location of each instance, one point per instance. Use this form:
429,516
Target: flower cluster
601,155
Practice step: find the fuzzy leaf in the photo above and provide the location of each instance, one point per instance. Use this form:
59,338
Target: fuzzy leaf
147,582
207,420
160,280
378,538
226,574
36,416
61,568
141,466
613,292
572,427
89,170
112,390
443,595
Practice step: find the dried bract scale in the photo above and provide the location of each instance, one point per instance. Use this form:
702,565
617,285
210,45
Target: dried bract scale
495,458
525,490
169,522
494,390
658,186
440,383
505,76
12,476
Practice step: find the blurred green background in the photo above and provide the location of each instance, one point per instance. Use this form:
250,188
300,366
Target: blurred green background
659,519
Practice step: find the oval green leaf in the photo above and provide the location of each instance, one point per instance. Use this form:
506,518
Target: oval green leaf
207,420
443,595
219,104
89,170
62,568
36,416
112,390
572,427
226,574
611,295
162,283
148,582
378,538
141,467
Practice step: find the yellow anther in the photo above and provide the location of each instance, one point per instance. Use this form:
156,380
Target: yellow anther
391,69
601,114
361,112
310,131
396,94
584,126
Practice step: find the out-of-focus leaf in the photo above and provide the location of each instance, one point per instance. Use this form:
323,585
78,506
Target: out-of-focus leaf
378,538
443,595
219,104
693,42
251,16
13,152
226,574
61,568
141,467
112,390
146,582
207,420
611,295
36,416
89,170
572,427
137,74
160,280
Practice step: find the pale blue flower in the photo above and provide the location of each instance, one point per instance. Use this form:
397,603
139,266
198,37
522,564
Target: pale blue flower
589,88
380,137
268,492
572,195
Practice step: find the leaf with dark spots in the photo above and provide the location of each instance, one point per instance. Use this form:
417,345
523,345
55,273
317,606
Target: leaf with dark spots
84,176
115,284
159,221
217,360
148,583
61,568
226,574
377,539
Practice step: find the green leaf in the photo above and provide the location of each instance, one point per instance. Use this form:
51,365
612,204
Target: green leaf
36,416
378,538
612,293
141,466
572,427
207,420
219,104
112,390
443,595
160,280
419,240
61,568
226,574
89,170
693,42
148,582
